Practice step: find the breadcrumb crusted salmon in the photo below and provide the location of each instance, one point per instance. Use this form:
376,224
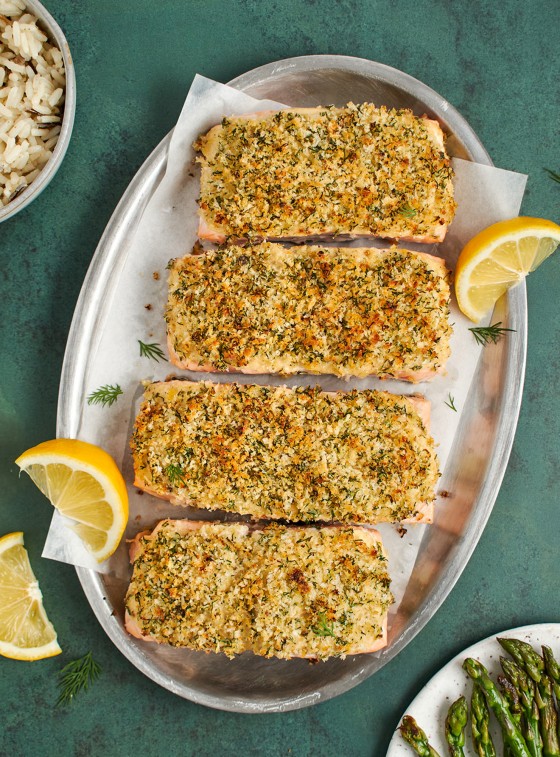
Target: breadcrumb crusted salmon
276,591
342,311
325,172
297,454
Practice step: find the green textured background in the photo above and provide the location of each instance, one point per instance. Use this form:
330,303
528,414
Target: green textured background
497,62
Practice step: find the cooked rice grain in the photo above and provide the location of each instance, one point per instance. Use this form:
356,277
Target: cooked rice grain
32,88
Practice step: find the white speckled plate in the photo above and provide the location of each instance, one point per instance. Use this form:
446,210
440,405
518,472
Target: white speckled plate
430,707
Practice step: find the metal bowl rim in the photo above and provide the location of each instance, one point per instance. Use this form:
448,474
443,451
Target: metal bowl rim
53,164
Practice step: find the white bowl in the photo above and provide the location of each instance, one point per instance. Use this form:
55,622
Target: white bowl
55,35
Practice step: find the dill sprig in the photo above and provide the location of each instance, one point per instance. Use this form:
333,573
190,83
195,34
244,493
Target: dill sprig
407,211
486,334
554,175
451,403
323,628
175,475
77,675
105,395
153,351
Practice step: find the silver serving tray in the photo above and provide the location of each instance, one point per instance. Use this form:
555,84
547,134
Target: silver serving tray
473,472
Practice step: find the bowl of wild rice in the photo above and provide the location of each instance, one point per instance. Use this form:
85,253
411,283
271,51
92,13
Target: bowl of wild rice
37,102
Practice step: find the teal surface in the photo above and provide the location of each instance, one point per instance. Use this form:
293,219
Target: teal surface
498,64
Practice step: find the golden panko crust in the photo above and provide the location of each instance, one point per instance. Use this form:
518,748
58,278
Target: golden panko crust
357,171
342,311
297,454
276,591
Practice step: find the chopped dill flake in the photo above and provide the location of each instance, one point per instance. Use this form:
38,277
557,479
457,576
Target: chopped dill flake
554,175
323,628
407,211
486,334
451,403
153,351
175,475
105,395
77,675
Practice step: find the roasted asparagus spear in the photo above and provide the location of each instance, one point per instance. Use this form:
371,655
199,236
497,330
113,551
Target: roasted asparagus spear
512,735
525,688
480,719
415,736
526,657
455,724
553,669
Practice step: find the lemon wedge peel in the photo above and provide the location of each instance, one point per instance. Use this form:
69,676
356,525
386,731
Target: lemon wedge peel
25,630
84,484
498,258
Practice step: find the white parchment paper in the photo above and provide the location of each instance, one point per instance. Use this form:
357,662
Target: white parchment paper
134,312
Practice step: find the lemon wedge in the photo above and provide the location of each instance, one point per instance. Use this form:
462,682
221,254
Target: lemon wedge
25,631
84,484
498,258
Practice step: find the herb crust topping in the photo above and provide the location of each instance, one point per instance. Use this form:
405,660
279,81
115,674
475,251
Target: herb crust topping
277,591
359,170
298,454
344,311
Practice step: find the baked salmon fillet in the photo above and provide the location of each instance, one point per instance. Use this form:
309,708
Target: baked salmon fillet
342,311
277,591
296,454
357,171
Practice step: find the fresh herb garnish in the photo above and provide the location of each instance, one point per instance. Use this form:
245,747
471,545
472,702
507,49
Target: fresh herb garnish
105,395
451,403
407,211
554,175
153,351
77,675
175,475
323,628
486,334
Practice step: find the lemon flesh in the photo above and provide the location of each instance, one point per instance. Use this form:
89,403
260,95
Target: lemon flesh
25,631
84,484
500,257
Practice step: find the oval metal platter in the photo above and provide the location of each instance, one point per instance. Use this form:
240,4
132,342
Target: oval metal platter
473,472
